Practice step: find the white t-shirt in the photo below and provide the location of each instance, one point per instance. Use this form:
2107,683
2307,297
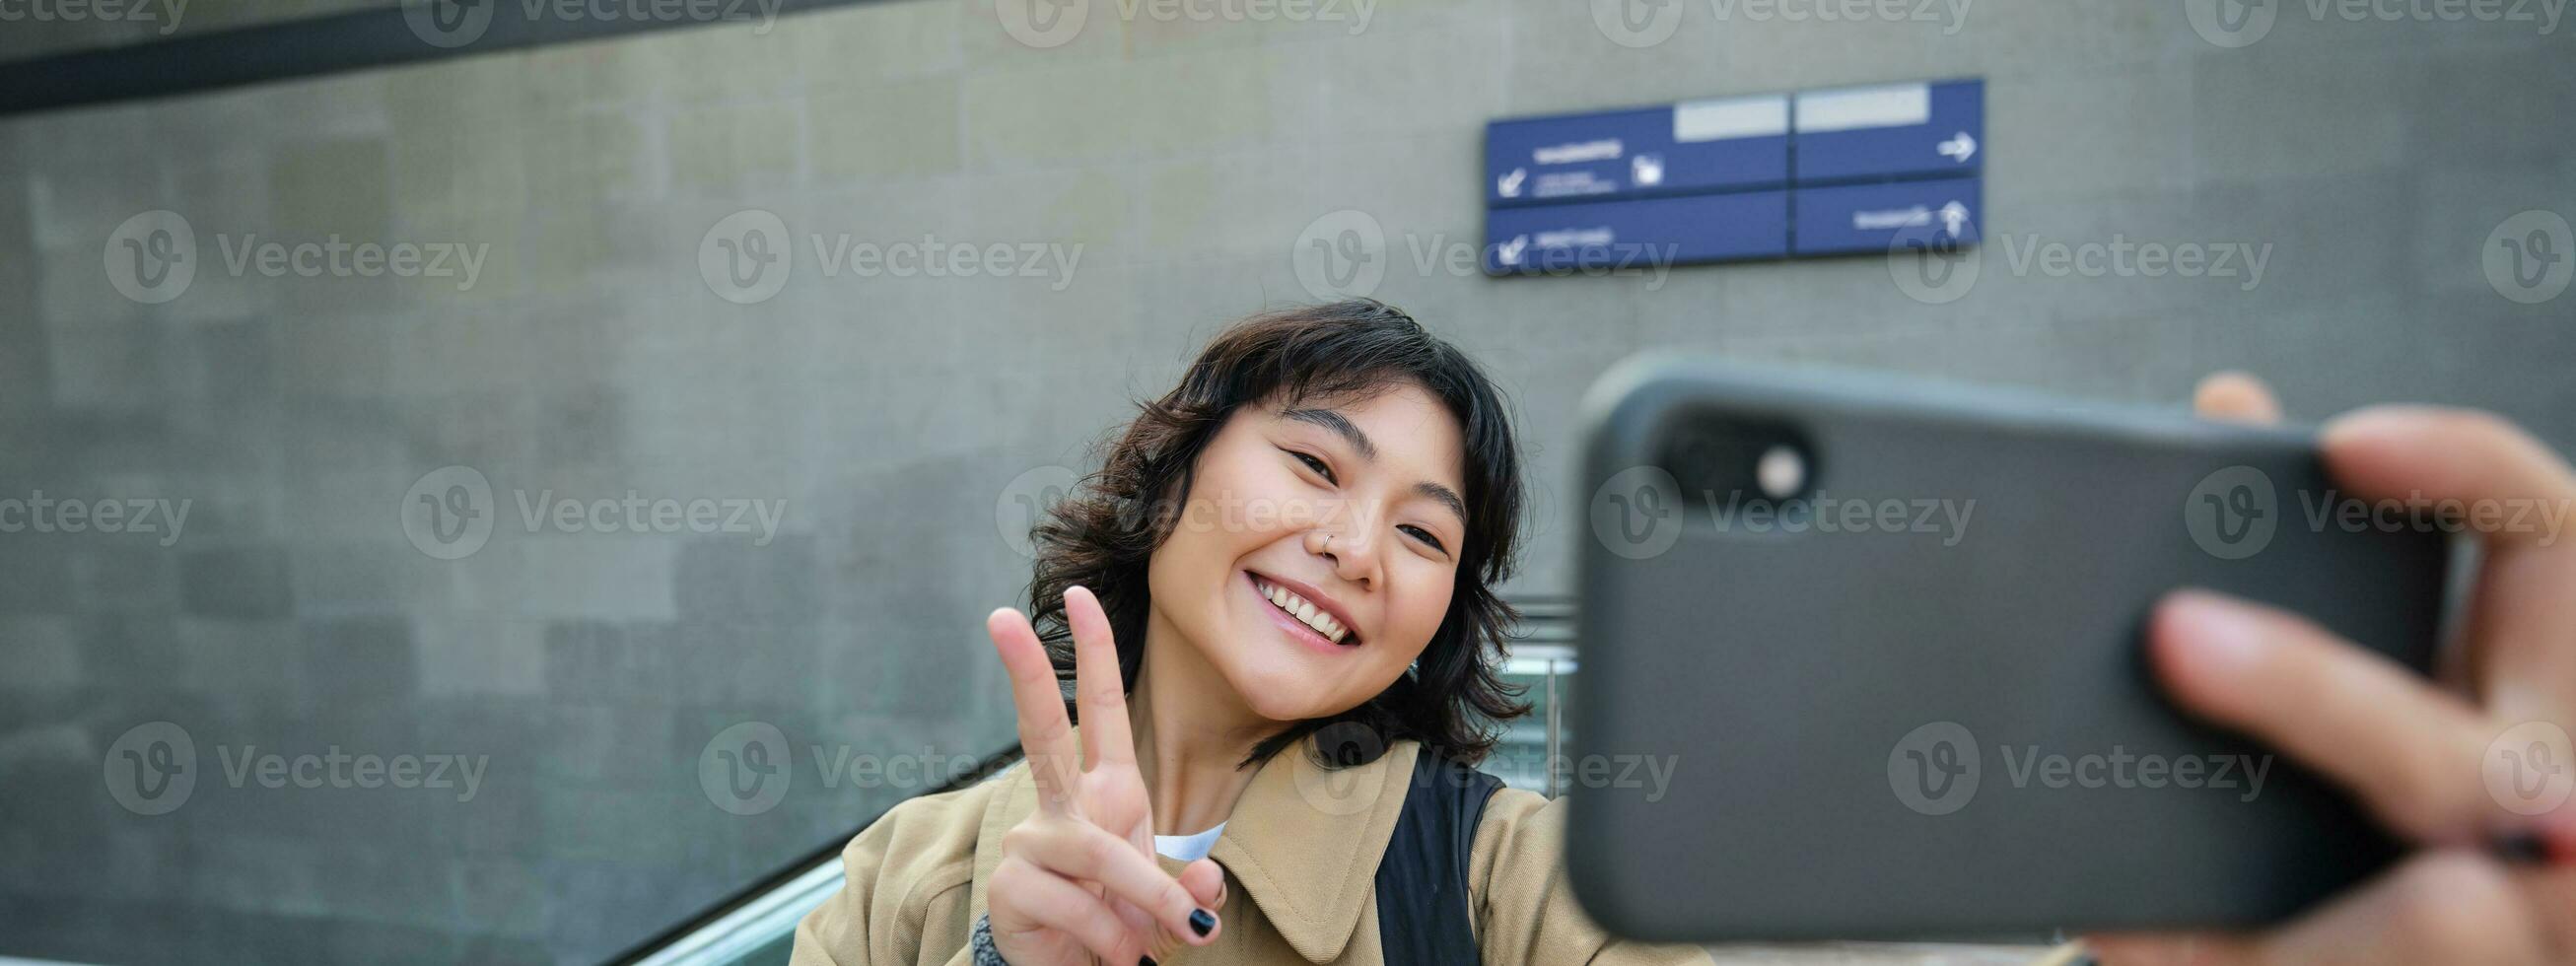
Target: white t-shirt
1188,848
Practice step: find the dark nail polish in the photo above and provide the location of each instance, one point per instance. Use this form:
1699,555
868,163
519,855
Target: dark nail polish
1201,921
1146,961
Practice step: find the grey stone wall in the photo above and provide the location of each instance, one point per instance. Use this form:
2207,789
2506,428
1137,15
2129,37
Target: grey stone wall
893,419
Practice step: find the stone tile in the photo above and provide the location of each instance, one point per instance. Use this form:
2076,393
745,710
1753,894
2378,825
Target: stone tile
252,583
891,130
721,150
356,656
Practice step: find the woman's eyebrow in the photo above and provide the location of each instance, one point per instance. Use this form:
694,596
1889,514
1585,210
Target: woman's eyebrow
1359,440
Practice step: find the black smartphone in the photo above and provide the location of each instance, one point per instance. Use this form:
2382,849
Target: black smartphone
1883,640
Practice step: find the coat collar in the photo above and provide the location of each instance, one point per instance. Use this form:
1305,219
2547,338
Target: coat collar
1304,840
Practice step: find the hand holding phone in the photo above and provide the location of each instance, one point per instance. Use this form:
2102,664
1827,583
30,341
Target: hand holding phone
1895,724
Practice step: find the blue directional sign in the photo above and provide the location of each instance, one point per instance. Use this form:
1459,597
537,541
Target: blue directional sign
1939,212
1890,131
1722,144
1837,171
1642,234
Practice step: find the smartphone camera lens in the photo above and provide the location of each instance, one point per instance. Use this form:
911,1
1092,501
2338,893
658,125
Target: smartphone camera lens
1727,464
1781,472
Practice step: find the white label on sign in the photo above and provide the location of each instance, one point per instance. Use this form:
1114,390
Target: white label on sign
1895,105
1731,117
1605,149
1573,237
1885,219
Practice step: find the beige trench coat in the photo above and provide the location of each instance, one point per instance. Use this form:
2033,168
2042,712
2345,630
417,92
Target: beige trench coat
1300,854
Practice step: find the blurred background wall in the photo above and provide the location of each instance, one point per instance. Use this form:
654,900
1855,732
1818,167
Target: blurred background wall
1168,168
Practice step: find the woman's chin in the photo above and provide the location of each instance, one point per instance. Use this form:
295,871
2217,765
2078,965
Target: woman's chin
1282,693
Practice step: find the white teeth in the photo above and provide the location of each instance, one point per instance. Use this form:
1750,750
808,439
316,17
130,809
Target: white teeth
1305,611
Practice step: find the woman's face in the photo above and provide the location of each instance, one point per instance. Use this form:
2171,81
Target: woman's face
1354,509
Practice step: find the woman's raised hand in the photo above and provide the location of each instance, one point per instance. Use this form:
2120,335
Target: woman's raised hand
1078,881
2466,768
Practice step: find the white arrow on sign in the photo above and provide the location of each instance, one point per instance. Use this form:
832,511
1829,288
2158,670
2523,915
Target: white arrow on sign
1954,216
1510,184
1958,148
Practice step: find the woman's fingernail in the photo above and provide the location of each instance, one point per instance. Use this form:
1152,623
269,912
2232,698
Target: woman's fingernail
2217,630
1202,921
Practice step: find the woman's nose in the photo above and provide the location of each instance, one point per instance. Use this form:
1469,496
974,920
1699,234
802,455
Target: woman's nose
1354,555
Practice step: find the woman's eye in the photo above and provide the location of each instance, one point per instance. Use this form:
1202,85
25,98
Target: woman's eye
1315,464
1426,537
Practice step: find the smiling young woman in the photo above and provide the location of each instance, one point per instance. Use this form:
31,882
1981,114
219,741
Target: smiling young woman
1276,600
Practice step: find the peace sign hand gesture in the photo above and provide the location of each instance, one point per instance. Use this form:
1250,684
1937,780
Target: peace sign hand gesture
1078,883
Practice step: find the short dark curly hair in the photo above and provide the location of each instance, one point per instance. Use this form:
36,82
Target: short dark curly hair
1104,534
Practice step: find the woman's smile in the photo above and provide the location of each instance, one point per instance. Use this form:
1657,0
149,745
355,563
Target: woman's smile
1292,624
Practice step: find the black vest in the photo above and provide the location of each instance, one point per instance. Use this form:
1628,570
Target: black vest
1422,914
